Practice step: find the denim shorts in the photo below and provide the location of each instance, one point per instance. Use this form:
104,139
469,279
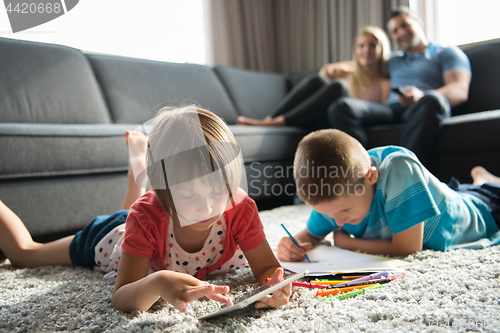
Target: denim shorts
489,193
82,247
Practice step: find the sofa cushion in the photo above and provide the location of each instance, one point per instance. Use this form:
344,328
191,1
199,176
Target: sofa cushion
254,94
263,144
483,91
42,150
46,83
63,204
137,89
296,77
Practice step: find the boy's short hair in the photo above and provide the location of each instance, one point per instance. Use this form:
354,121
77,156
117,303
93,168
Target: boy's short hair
328,164
214,153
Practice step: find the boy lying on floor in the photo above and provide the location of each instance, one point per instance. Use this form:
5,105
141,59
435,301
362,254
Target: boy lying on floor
384,201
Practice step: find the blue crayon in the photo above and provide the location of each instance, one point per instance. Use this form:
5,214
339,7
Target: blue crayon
295,242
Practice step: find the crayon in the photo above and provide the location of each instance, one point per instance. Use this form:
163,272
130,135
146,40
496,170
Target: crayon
335,291
381,281
352,277
352,293
295,242
363,283
305,284
309,285
328,282
366,278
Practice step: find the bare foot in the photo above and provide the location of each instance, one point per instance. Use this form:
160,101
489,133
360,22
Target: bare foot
137,147
268,121
480,176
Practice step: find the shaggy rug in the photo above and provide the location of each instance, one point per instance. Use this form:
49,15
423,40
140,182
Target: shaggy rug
452,291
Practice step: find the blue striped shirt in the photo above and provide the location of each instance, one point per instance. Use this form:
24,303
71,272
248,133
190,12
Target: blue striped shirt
408,194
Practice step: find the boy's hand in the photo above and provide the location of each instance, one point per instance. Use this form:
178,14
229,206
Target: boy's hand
185,288
288,251
279,297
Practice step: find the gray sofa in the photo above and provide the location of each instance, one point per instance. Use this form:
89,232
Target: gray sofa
63,114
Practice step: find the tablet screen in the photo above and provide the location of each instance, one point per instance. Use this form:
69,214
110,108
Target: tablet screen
254,295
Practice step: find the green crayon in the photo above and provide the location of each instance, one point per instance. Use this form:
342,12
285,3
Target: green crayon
350,294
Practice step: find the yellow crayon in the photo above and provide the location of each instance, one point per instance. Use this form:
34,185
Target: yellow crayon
329,282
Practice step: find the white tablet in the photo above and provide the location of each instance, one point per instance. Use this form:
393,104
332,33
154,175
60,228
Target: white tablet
254,295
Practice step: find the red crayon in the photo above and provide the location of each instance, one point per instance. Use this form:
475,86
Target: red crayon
305,284
309,285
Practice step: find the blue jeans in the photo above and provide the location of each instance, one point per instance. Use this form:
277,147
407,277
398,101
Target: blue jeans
489,193
422,119
82,247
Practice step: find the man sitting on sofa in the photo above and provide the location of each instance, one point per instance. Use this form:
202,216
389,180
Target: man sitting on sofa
431,78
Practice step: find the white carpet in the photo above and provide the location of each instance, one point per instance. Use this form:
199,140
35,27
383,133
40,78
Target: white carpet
452,291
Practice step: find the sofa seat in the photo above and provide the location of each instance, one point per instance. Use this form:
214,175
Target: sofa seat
268,155
58,177
48,150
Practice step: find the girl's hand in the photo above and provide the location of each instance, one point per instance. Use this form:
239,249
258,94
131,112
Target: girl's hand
279,297
181,289
136,290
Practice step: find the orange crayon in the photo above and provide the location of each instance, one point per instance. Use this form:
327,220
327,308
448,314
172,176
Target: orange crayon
335,291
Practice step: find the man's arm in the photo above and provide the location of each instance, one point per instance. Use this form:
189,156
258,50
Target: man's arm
456,87
402,243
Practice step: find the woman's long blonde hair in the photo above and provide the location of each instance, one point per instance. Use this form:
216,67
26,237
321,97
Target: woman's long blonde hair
360,81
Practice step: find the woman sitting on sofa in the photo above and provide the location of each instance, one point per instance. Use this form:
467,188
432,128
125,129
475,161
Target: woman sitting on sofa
364,77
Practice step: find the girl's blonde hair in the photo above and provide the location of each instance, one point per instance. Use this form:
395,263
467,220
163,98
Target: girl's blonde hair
360,81
189,143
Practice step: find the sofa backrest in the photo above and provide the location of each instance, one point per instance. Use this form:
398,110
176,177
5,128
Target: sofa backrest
46,83
483,92
255,94
136,89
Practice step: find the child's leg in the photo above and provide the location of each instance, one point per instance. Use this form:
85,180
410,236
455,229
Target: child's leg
16,241
137,146
18,246
480,176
